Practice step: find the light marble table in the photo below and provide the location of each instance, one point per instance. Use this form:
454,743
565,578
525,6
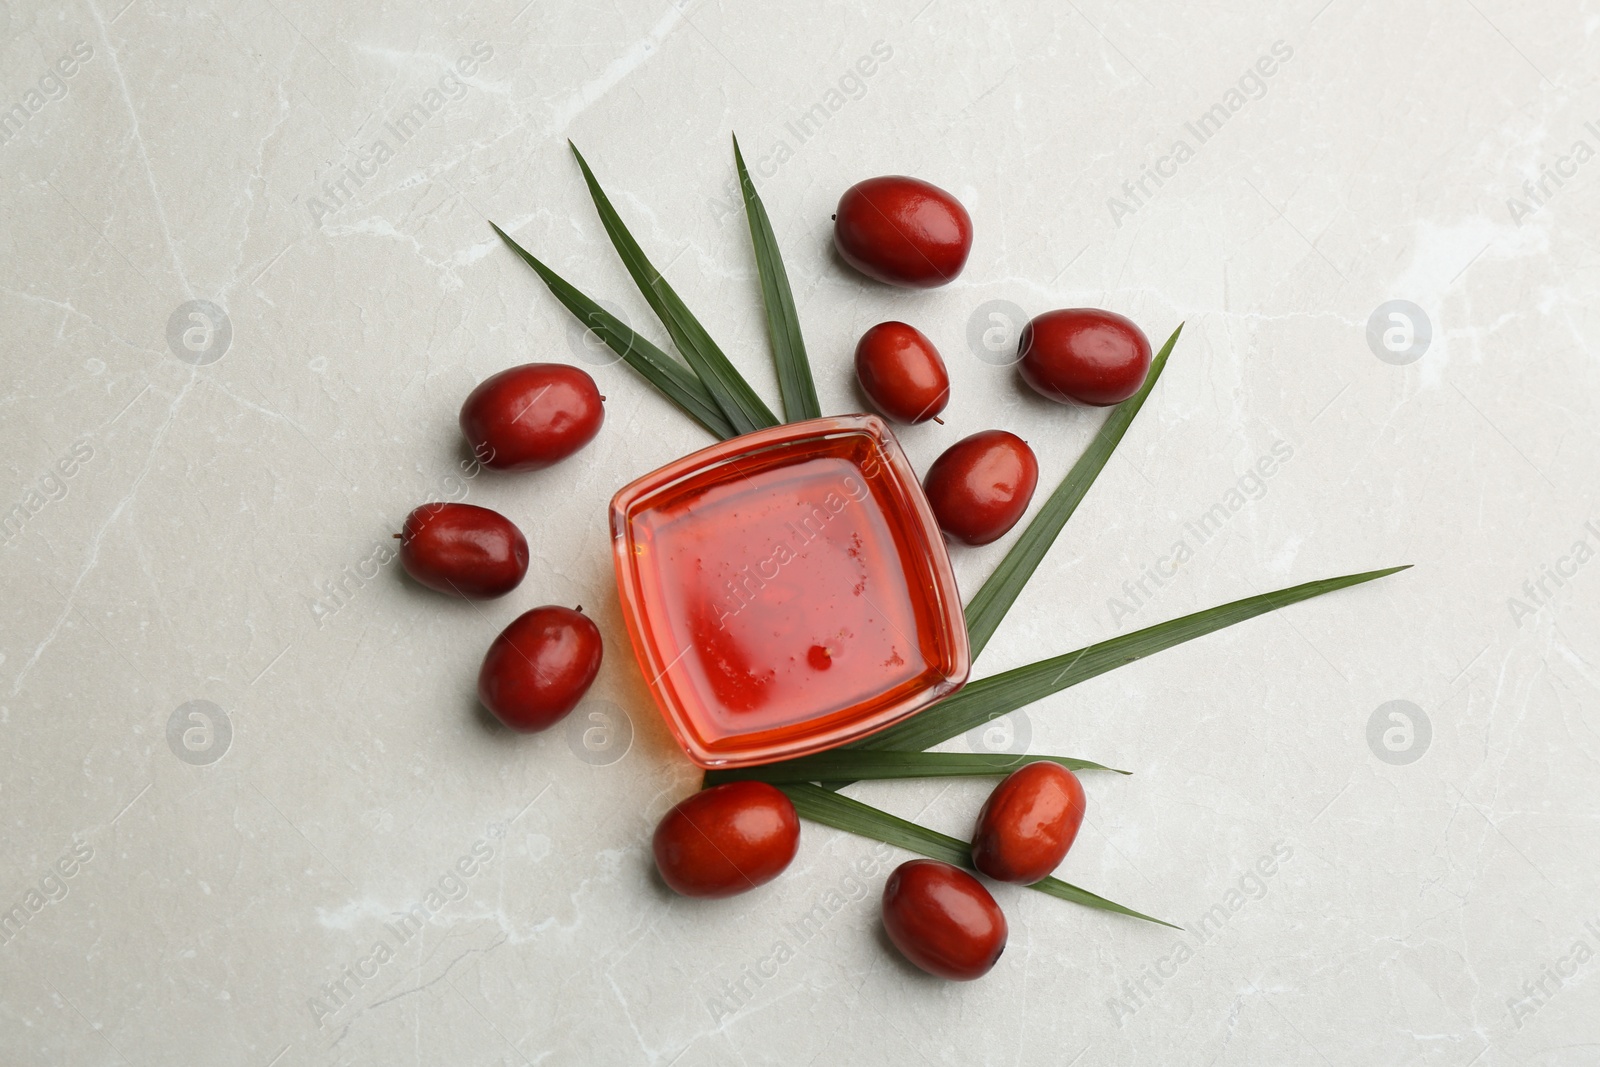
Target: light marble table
248,278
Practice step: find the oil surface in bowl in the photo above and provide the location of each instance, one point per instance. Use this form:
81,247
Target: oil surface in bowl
790,595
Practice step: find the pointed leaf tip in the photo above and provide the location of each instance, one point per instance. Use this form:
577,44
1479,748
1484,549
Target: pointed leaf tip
852,816
741,407
994,598
989,698
675,381
795,383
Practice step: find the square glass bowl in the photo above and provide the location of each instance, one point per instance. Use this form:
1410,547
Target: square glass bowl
788,591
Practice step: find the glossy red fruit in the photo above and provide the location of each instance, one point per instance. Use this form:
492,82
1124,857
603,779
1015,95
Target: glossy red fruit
539,667
903,231
1084,354
981,485
901,372
528,417
943,920
463,550
1028,823
727,839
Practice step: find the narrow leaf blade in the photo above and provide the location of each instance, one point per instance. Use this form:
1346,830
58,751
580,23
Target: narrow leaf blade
992,697
744,409
675,381
843,813
875,765
1002,588
798,390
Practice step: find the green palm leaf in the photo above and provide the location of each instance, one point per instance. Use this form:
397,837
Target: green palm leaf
856,764
783,323
739,402
1000,591
675,381
992,697
843,813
